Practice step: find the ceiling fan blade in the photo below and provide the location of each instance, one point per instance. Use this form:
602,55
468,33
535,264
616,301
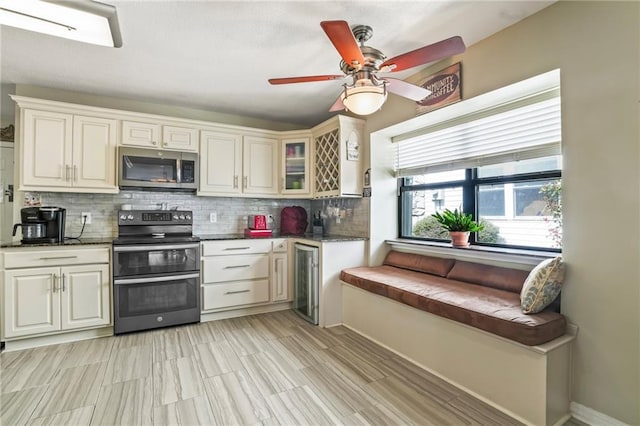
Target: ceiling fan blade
407,90
289,80
337,105
345,43
433,52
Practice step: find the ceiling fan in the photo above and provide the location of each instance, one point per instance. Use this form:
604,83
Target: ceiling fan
366,92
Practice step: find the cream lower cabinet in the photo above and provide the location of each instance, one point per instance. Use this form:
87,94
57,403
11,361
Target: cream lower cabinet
46,299
280,271
241,273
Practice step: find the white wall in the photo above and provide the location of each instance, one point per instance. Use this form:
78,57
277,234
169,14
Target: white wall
595,44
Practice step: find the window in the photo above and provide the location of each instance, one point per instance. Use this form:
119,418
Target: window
520,208
500,161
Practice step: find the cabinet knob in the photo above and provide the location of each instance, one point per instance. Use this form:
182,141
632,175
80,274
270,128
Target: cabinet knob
154,143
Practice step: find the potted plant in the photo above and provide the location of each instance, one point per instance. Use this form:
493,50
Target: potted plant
459,225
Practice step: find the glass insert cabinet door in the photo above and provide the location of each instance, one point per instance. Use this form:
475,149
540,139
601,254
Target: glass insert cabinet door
295,166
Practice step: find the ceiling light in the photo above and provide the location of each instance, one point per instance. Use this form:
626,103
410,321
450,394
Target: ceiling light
82,20
365,97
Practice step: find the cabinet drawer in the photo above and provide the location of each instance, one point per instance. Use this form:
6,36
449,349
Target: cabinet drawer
61,257
234,268
215,296
235,247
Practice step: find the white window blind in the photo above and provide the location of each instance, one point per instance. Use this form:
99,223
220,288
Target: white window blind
528,127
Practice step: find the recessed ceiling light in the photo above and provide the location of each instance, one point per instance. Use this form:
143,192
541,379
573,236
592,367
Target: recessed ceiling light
82,20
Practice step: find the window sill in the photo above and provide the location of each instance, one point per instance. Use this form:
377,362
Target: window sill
528,258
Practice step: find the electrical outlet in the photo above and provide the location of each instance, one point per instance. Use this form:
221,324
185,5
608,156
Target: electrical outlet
86,218
213,217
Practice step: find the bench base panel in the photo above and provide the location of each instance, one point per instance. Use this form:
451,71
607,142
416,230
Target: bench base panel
531,384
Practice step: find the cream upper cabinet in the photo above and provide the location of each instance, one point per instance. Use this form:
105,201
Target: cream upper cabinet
66,152
232,163
260,165
94,152
338,157
295,154
47,139
144,135
179,138
220,163
152,135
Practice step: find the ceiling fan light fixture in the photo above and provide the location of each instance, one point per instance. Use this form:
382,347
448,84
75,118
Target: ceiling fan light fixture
81,20
364,99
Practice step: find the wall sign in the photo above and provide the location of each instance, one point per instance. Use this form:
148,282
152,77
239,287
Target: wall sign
445,86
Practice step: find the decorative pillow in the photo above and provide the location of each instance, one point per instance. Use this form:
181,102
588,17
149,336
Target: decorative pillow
542,285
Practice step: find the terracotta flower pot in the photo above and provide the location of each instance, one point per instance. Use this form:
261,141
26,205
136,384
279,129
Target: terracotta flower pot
459,239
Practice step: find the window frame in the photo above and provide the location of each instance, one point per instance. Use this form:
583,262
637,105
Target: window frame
470,186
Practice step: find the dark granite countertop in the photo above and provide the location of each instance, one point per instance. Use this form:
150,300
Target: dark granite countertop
69,242
203,237
323,238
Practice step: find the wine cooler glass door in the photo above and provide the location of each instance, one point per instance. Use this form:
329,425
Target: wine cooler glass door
305,300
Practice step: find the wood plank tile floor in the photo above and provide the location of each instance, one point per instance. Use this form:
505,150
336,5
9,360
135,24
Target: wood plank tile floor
265,369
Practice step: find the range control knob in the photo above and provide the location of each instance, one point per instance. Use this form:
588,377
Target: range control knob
130,217
188,217
175,217
123,217
181,217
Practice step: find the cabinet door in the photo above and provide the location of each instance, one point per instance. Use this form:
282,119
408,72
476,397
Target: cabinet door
260,165
46,154
31,301
85,296
279,274
220,162
94,153
140,134
295,154
179,138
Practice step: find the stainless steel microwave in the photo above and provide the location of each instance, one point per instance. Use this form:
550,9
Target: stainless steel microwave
153,168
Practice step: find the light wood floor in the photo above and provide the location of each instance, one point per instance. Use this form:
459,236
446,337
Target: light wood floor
265,369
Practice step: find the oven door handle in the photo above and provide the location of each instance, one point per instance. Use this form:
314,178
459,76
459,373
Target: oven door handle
154,279
154,247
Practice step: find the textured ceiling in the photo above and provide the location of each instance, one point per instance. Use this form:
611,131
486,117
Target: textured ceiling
218,55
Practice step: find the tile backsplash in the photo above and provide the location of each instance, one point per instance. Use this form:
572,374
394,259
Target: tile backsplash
231,212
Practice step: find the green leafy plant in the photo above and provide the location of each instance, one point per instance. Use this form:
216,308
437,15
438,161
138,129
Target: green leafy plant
552,196
457,221
429,227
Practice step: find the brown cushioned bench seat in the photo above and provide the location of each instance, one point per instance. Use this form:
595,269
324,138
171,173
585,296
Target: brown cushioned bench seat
415,281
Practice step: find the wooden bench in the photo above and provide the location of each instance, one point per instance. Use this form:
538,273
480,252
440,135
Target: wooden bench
462,321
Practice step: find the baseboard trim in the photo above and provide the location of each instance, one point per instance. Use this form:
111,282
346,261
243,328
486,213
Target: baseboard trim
592,417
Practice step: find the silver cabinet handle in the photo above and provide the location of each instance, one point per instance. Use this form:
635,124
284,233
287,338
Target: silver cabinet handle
237,248
63,286
58,257
236,266
245,181
282,187
66,172
235,181
75,173
54,280
156,247
168,278
237,291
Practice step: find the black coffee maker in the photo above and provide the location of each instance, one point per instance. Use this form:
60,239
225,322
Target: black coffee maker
42,225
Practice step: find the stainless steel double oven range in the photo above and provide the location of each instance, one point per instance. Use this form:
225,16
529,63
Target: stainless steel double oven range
156,270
